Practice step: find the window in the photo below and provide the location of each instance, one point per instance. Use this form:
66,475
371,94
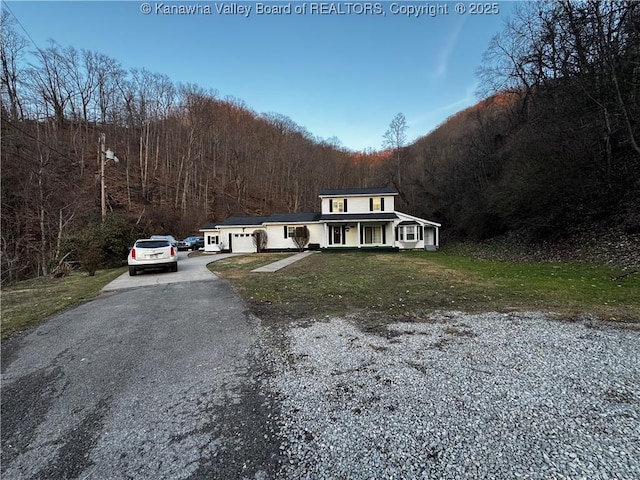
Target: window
291,232
376,204
407,233
372,235
337,205
410,233
152,244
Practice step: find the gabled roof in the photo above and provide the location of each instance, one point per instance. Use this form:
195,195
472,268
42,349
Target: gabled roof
293,218
358,191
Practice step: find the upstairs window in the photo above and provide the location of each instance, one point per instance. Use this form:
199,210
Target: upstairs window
376,204
338,205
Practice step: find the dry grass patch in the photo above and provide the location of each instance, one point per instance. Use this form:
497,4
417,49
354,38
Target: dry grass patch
28,303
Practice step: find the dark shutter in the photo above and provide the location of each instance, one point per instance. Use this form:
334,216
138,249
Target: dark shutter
421,228
361,234
330,235
371,204
330,205
344,234
345,205
384,234
382,204
285,231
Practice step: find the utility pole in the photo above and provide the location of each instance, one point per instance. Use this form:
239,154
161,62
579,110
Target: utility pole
101,154
104,157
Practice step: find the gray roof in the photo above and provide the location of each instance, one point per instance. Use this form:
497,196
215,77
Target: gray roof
359,191
254,221
293,218
241,221
354,217
301,218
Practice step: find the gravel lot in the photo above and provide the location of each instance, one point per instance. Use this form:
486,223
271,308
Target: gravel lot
458,396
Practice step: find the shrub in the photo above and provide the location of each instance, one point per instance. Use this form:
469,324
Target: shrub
260,240
301,237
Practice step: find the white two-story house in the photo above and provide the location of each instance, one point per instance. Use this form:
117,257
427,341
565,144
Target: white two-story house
351,218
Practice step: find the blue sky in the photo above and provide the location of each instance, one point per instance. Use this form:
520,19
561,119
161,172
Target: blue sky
343,76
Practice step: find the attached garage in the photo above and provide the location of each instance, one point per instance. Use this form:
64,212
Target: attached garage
235,234
241,243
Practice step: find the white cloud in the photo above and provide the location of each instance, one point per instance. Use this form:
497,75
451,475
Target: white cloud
442,63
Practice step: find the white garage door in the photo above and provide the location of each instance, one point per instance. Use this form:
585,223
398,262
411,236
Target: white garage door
242,243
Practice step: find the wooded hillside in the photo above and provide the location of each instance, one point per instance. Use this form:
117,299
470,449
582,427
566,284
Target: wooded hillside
556,145
553,146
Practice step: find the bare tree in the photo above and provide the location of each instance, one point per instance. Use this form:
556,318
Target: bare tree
11,47
301,237
49,82
394,139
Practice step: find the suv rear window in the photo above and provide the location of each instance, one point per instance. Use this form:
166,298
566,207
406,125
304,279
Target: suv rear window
152,244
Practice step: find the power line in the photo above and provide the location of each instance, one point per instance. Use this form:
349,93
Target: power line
6,6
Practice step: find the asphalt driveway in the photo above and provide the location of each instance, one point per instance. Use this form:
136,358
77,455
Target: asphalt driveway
142,382
190,269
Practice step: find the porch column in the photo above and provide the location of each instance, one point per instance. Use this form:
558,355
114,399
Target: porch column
393,234
359,236
437,237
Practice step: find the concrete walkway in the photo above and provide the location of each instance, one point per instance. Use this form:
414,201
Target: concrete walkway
275,266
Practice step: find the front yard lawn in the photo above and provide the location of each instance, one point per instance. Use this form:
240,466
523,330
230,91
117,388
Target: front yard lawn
414,283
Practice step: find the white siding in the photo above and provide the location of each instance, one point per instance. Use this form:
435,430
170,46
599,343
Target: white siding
211,241
359,204
276,240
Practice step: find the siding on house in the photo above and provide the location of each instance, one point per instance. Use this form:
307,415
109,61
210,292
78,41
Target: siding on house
358,200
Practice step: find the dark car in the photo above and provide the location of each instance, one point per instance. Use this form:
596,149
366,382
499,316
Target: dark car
168,238
191,243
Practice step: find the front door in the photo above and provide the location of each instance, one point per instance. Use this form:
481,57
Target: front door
337,235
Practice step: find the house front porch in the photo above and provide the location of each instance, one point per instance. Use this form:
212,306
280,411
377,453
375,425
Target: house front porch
359,232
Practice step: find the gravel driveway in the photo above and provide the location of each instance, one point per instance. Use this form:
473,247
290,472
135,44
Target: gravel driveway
491,396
